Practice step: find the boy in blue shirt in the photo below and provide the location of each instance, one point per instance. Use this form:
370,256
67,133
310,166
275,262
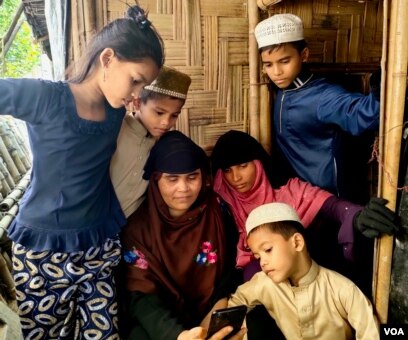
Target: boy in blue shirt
310,113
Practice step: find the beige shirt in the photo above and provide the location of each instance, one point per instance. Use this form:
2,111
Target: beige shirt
126,168
325,305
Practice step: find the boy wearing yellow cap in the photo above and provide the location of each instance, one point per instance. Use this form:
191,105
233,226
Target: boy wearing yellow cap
306,300
310,113
150,116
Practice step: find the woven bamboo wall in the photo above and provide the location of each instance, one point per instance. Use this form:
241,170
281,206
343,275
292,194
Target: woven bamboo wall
208,39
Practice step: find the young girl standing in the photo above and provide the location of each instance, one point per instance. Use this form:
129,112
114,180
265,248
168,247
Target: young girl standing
65,236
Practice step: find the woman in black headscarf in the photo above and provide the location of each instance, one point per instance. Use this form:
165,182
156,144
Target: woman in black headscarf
180,245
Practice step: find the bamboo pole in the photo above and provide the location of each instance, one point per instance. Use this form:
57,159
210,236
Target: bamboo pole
89,20
75,42
7,219
5,188
11,32
253,19
9,179
9,42
381,129
265,136
9,161
394,113
16,194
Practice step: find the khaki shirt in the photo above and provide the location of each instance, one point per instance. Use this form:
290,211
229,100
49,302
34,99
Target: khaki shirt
325,305
126,168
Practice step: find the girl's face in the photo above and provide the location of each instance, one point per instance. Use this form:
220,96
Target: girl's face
241,177
179,192
123,80
283,65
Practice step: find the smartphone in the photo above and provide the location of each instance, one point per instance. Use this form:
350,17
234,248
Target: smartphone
232,316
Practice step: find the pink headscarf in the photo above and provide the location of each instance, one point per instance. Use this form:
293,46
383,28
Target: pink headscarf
305,198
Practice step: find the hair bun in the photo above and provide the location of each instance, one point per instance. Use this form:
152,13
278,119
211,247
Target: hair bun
137,14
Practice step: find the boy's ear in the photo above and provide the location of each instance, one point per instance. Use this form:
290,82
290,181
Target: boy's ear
298,242
305,54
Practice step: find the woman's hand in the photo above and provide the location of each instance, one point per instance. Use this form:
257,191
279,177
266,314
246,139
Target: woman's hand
200,333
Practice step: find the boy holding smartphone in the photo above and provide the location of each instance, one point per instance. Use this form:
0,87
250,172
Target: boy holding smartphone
305,299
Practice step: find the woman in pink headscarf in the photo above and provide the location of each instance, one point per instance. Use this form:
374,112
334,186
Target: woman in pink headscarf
244,176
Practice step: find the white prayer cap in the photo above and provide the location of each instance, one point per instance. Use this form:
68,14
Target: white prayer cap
278,29
269,213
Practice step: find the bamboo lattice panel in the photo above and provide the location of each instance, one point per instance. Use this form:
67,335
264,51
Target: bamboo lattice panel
208,40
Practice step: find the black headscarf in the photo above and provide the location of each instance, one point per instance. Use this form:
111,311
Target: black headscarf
175,153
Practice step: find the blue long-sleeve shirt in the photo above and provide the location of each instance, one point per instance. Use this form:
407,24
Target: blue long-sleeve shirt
70,204
308,117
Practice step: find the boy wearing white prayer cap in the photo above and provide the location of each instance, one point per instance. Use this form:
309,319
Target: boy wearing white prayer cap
306,300
309,112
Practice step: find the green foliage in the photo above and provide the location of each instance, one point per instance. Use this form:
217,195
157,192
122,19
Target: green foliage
24,53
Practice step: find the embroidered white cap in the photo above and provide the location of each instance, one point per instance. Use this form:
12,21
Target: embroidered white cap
278,29
269,213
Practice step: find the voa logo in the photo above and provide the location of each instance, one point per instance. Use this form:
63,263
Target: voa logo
393,331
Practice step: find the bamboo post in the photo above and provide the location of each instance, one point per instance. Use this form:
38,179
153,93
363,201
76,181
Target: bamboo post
101,18
89,19
394,113
253,19
381,129
75,41
265,137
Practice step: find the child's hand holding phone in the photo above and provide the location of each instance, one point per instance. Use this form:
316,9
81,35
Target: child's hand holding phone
232,316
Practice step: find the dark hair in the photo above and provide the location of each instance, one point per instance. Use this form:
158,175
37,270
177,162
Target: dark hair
284,228
133,38
146,95
237,147
299,45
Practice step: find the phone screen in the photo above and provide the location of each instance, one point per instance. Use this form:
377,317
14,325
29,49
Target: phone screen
232,316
